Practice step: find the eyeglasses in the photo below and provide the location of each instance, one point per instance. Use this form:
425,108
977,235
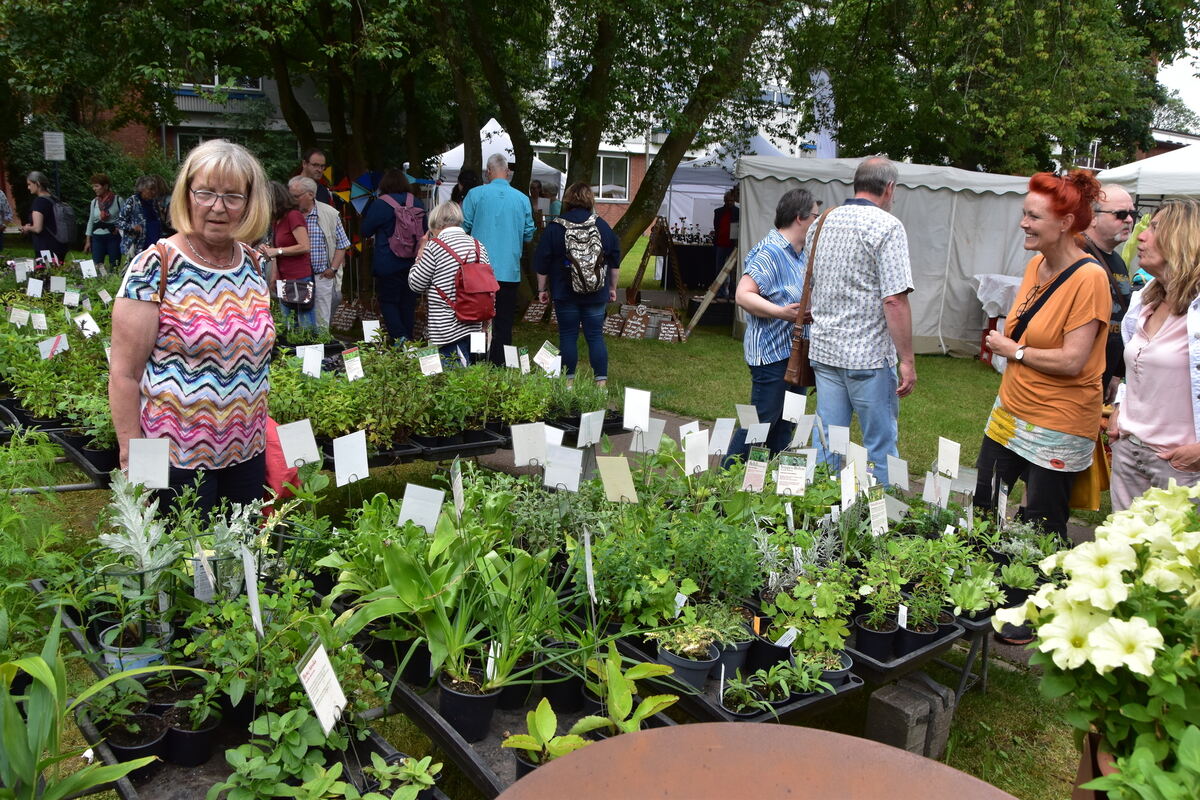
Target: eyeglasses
206,198
317,165
1123,214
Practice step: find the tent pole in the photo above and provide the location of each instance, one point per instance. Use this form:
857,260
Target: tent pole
946,271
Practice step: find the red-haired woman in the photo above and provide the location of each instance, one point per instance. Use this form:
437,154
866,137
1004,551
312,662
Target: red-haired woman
1044,423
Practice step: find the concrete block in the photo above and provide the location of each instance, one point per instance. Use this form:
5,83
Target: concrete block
914,714
941,705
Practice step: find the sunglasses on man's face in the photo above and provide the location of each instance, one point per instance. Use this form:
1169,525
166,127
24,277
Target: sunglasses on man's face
1123,214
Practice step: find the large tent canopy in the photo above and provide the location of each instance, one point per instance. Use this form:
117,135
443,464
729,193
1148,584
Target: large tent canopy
1176,173
960,224
698,186
494,140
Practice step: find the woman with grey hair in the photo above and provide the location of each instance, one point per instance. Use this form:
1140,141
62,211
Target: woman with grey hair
41,226
144,217
443,251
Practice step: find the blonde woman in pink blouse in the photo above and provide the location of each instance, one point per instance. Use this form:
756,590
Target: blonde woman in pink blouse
1155,428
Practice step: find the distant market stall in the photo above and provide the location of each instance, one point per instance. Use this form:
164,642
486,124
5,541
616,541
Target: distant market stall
494,140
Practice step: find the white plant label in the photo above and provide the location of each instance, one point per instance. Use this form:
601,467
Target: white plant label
354,367
298,443
58,284
948,532
856,454
422,506
929,490
202,580
546,356
19,316
489,668
617,479
756,470
680,602
747,415
251,576
149,462
948,455
554,436
794,406
791,516
758,433
478,342
21,272
839,439
350,458
803,431
279,288
87,325
879,517
321,685
47,257
588,572
902,616
87,268
835,512
34,287
38,318
591,426
943,490
848,484
1002,509
105,297
791,478
722,434
688,427
529,444
648,440
897,470
564,466
85,303
312,355
512,359
787,637
71,298
637,410
523,360
371,331
456,487
430,360
695,452
896,509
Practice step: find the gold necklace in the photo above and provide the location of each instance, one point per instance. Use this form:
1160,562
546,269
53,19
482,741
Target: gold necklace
217,264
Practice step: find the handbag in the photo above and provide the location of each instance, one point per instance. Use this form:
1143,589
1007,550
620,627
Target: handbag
297,294
1086,489
799,369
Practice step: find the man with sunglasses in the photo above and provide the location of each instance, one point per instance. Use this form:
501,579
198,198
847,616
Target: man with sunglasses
1111,225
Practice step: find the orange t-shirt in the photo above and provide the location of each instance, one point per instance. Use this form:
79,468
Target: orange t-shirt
1070,404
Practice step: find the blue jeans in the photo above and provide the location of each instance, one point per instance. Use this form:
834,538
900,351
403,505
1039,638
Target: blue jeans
767,389
591,316
397,304
869,393
108,244
450,353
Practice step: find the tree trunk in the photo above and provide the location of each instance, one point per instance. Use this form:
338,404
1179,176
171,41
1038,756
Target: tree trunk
712,88
587,125
293,113
412,143
468,115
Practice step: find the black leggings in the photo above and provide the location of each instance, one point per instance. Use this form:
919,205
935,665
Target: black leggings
239,483
1047,491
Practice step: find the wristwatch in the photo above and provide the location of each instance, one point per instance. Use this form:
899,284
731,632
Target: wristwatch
278,252
1020,354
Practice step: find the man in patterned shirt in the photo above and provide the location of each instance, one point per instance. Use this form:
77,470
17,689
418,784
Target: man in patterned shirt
862,323
327,246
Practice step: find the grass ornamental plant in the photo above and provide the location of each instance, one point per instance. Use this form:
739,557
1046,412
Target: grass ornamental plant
1118,632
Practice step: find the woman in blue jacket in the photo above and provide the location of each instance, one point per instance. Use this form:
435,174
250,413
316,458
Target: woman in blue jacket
397,303
579,309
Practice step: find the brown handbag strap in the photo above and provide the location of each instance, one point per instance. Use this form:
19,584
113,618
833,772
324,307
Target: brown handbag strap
163,267
806,294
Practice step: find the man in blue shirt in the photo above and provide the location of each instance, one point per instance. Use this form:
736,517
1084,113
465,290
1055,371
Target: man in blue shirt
500,217
769,291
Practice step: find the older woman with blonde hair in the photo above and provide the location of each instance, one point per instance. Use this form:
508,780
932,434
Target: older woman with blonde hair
192,331
1155,429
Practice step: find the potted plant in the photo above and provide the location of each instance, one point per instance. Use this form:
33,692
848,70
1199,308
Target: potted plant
880,593
773,684
731,635
804,678
119,712
541,744
1116,635
690,649
191,724
1018,580
921,628
621,716
740,698
973,596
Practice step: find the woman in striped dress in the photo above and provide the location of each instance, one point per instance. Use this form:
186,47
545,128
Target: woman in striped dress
441,254
192,332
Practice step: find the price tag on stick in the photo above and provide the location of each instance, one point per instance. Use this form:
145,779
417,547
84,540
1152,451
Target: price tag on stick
321,685
422,506
298,443
591,426
350,458
149,462
617,479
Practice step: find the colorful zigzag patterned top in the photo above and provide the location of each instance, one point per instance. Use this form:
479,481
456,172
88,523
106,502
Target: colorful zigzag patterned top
205,385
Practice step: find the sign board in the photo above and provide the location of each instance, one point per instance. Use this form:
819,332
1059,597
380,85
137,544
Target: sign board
54,146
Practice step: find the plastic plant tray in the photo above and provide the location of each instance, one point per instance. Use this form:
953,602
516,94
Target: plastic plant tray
474,443
875,671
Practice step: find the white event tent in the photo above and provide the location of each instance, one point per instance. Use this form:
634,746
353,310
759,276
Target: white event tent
1173,174
960,225
698,186
494,140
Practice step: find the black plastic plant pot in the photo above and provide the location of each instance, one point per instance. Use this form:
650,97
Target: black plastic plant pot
747,714
103,459
188,748
416,671
524,765
693,673
563,690
1015,597
732,658
515,696
764,654
945,622
838,677
150,742
873,643
589,703
469,714
909,641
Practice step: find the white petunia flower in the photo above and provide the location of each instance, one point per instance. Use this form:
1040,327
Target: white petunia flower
1099,555
1065,637
1017,615
1101,588
1132,644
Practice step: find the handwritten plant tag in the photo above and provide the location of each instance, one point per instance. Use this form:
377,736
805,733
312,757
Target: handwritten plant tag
879,516
756,470
695,452
58,284
794,406
19,316
512,358
849,485
456,487
430,360
38,318
371,331
803,431
478,342
617,479
747,415
546,356
311,356
33,287
250,571
897,470
722,434
350,458
88,268
637,410
758,433
87,325
298,443
53,346
529,444
322,687
563,467
648,441
354,367
948,456
149,462
792,476
422,506
523,359
591,427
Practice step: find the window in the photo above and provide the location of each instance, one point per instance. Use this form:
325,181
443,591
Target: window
185,141
200,79
554,158
613,172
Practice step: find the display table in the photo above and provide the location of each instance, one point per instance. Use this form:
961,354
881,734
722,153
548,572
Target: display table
697,265
727,760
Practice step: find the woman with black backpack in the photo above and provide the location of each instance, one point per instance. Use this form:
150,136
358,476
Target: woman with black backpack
578,261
